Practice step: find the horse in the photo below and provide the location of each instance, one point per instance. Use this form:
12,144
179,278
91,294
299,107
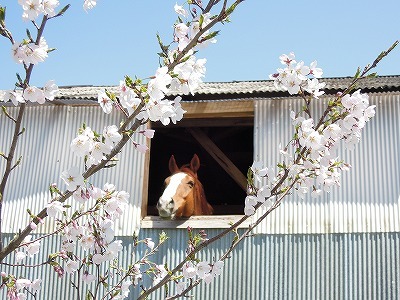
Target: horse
183,195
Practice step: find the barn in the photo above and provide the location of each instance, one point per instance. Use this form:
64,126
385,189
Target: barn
343,245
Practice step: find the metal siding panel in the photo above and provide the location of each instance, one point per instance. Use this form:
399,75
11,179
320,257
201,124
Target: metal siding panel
46,153
292,266
368,199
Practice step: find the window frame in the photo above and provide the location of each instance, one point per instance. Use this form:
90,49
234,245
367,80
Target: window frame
235,112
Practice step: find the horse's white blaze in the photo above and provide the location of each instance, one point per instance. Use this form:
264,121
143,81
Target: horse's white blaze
171,188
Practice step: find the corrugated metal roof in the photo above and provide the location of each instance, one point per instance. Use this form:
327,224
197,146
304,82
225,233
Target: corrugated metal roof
243,88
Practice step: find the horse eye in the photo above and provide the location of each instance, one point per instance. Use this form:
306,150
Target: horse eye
191,183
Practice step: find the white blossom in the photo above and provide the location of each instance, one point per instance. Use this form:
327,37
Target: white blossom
72,178
50,90
258,170
14,96
82,145
53,208
35,285
111,135
105,102
32,9
71,266
49,7
19,256
21,283
180,10
89,4
33,94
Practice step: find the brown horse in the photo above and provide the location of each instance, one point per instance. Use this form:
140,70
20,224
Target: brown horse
183,195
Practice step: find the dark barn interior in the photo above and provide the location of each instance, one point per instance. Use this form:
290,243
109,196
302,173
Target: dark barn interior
222,192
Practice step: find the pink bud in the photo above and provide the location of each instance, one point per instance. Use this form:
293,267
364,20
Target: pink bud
33,225
142,148
149,133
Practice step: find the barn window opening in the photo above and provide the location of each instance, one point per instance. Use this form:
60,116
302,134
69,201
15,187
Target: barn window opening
225,149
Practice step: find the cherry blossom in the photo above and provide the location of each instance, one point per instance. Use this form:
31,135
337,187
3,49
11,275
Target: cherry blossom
105,102
189,270
259,170
295,77
287,59
203,268
180,10
72,178
157,86
71,266
249,203
117,203
180,287
50,90
30,53
49,7
98,258
22,283
217,268
14,96
316,72
81,195
33,248
53,208
82,145
111,135
33,94
97,153
19,256
34,54
18,53
161,272
195,28
87,241
124,290
149,243
88,278
128,98
142,148
32,9
149,133
89,4
36,285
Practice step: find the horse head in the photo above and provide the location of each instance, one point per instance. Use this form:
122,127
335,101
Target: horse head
183,194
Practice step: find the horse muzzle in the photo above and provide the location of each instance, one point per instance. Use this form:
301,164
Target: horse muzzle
166,208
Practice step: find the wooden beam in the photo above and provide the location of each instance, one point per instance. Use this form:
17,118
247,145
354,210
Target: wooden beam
145,190
219,109
202,222
219,157
208,122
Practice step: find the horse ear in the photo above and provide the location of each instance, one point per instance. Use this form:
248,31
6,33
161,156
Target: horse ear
195,163
173,167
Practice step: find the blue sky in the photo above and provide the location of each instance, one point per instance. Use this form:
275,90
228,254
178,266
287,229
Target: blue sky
117,38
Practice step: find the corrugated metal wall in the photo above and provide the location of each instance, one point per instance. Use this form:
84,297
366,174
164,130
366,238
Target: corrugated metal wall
343,246
45,148
288,266
368,199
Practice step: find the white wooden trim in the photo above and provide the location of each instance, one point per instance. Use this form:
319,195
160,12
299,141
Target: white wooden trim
221,221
